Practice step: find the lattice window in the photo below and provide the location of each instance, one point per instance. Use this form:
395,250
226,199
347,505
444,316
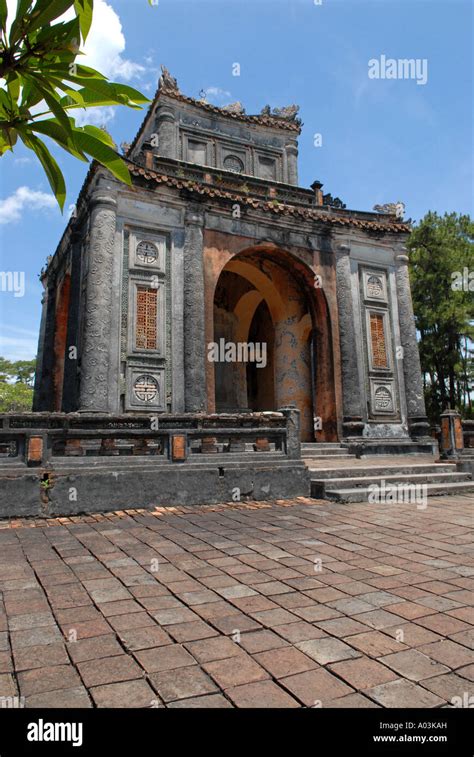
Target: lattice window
377,335
146,319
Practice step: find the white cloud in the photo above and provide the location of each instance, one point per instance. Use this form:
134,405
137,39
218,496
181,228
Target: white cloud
99,116
11,208
217,95
105,45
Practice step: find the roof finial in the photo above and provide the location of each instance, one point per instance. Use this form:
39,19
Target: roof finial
167,82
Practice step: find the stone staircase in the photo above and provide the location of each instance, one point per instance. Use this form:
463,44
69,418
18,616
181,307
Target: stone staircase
351,483
323,451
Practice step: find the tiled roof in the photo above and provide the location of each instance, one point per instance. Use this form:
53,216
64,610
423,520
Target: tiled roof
333,217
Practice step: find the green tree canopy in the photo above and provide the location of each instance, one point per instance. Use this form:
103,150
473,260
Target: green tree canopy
442,252
43,83
16,385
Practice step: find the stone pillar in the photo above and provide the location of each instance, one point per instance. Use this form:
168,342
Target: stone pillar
293,373
95,388
70,399
194,323
165,125
452,441
291,150
352,423
293,436
44,389
417,420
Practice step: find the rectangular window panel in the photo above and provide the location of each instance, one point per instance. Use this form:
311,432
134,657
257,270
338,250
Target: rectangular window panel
146,318
377,336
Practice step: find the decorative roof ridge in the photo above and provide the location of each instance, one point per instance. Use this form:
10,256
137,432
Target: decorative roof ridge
324,214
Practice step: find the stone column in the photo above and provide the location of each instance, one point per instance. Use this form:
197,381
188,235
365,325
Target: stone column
291,150
194,323
43,392
351,390
417,420
70,399
95,387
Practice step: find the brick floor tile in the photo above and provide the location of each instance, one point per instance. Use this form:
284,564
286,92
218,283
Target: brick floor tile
411,634
236,591
294,599
315,686
327,650
193,631
448,653
261,694
378,619
74,615
42,656
211,701
109,670
328,594
410,610
168,657
34,620
7,685
443,624
401,693
351,606
122,607
316,612
448,686
363,673
273,588
6,663
463,613
341,626
413,664
300,631
379,598
136,693
94,648
261,641
236,623
217,648
467,672
54,678
33,637
235,671
86,629
182,683
174,615
272,618
131,621
201,597
255,604
144,638
63,698
215,610
284,661
466,638
375,643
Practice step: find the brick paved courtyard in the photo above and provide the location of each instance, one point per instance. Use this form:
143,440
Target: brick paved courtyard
291,604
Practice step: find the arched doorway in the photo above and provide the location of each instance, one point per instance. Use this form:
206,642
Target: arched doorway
267,306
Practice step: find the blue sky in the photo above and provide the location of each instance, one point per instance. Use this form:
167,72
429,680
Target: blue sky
382,140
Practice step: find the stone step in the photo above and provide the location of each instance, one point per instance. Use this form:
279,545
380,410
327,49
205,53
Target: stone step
344,456
318,453
362,494
382,471
365,481
320,445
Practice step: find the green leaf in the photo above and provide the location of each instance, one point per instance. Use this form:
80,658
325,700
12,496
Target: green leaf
84,10
52,100
99,134
103,154
3,15
52,129
51,168
46,11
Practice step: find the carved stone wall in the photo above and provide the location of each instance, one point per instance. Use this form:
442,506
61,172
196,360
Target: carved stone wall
95,357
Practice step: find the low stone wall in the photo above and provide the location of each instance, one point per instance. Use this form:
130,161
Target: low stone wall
62,464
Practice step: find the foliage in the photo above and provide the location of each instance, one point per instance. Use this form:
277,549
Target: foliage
43,83
442,249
